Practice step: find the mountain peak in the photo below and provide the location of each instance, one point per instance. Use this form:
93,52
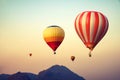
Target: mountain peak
55,66
58,68
58,72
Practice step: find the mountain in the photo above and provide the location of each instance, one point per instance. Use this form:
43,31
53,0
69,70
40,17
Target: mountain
22,76
58,72
55,72
4,76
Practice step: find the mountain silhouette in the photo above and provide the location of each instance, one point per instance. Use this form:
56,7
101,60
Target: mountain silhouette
22,76
4,76
58,72
55,72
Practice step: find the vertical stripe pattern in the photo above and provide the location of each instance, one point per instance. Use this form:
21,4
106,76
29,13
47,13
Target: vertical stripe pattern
91,27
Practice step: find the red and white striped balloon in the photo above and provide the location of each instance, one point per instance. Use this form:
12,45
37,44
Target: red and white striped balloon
91,26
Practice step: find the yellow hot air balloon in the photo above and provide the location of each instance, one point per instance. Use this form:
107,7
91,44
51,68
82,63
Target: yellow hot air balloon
53,36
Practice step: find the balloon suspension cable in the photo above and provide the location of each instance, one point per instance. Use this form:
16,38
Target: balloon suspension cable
90,53
54,52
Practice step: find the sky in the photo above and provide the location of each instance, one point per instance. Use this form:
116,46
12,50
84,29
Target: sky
22,23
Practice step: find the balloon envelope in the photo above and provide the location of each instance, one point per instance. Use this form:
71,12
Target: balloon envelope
72,58
53,36
91,26
30,54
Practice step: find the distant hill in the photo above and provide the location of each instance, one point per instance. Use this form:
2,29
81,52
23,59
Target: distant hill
22,76
4,76
55,72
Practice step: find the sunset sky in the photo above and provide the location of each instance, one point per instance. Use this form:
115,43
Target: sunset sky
22,23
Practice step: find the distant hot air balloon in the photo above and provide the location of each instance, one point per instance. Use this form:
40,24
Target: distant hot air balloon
72,58
53,36
91,26
30,54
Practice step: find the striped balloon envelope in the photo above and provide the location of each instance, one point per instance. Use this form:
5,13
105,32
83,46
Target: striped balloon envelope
91,26
53,36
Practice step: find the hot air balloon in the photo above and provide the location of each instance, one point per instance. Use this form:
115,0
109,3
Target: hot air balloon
91,26
53,36
30,54
72,58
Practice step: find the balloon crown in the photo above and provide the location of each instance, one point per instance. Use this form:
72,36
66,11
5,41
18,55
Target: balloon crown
53,26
